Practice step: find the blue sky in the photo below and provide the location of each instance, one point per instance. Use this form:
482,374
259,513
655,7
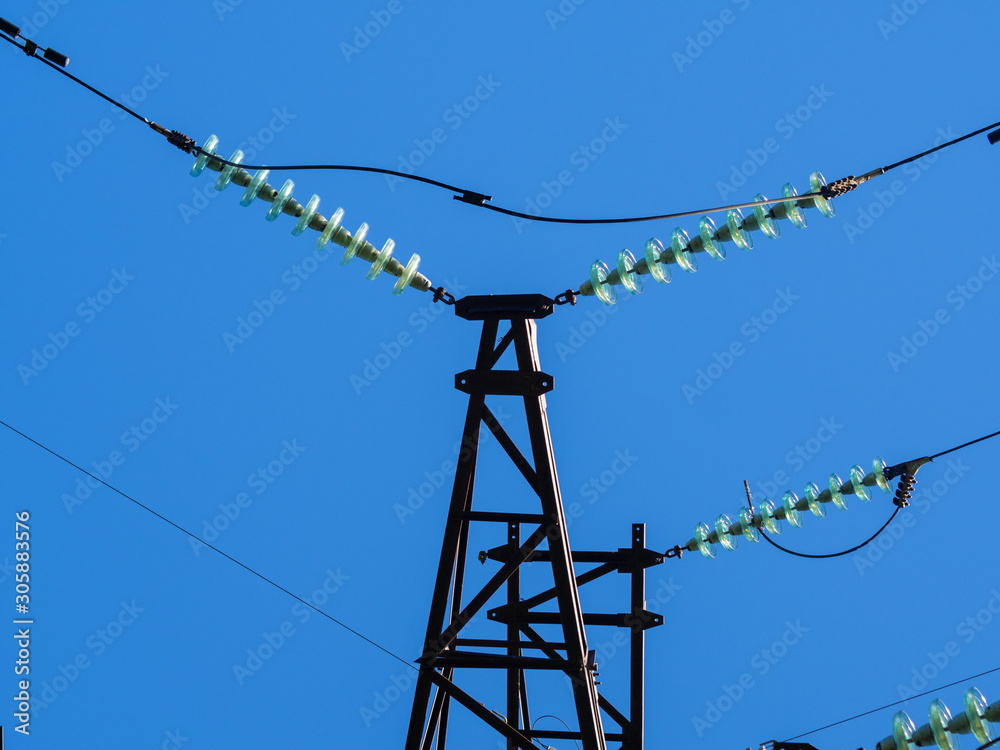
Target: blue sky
124,282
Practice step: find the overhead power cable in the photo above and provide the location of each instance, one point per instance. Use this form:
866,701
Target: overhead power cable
965,445
753,523
900,503
894,703
57,61
867,541
245,567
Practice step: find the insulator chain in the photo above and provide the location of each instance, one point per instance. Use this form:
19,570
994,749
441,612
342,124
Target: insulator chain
768,515
307,216
683,249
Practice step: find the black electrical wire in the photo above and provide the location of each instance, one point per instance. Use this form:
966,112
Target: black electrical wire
552,716
477,199
344,167
74,78
895,703
964,445
210,546
898,507
473,197
938,148
634,219
832,554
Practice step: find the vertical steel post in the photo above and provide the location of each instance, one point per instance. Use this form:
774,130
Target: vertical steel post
444,650
638,640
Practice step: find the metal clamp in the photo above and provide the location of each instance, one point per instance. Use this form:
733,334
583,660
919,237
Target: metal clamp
569,296
440,295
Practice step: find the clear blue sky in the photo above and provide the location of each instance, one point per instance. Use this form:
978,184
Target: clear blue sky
871,333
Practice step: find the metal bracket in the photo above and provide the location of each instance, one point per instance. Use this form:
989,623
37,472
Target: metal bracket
503,382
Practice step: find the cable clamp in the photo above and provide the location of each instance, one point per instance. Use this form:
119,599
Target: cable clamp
908,477
473,198
440,295
841,186
183,142
29,47
569,296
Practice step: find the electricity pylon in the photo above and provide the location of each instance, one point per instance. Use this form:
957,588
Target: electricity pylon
445,650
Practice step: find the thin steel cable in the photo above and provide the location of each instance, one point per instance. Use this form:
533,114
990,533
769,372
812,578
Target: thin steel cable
552,716
895,703
965,445
832,554
87,86
656,217
938,148
210,546
344,167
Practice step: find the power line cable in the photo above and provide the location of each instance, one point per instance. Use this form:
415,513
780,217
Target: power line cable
939,147
210,546
965,445
895,703
870,539
471,197
30,49
832,554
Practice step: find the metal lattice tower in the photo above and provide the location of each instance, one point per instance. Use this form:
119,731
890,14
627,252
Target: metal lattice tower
445,650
